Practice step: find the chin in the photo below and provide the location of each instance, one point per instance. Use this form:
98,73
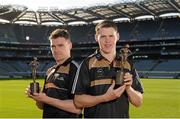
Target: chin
107,51
58,59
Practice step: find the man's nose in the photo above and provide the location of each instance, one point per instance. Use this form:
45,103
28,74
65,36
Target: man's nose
55,50
107,40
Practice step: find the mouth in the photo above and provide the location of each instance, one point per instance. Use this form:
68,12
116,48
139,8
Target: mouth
57,55
108,45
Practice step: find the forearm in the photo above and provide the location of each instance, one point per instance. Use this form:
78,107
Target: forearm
135,97
84,100
39,104
66,105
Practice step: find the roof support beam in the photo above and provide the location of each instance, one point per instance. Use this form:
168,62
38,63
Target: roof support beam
37,18
145,9
58,18
73,16
96,14
55,17
119,12
6,12
173,5
15,19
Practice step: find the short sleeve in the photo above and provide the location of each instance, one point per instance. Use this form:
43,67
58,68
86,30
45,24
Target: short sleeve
72,74
137,85
82,80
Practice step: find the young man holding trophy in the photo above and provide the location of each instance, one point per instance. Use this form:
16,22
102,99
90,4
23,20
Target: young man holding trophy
107,81
56,99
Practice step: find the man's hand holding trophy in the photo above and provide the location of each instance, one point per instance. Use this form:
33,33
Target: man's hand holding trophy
125,52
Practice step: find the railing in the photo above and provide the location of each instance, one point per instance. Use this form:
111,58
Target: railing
159,74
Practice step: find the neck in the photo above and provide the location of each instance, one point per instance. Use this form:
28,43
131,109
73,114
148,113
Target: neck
109,56
62,60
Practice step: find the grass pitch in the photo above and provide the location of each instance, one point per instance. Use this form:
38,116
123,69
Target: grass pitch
161,100
13,101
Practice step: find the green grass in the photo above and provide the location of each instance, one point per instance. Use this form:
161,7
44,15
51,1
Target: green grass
13,101
161,100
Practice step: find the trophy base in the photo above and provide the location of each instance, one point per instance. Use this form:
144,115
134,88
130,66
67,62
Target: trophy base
119,78
34,87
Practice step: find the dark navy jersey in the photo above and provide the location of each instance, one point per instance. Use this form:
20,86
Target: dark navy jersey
95,76
58,84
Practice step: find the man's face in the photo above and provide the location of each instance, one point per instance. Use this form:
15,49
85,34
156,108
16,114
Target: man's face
107,38
60,48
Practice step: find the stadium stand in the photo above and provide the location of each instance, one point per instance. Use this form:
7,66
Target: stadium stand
154,42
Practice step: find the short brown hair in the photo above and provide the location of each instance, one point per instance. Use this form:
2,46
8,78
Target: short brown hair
59,33
105,24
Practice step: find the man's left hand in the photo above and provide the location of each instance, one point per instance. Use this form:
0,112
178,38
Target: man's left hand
128,80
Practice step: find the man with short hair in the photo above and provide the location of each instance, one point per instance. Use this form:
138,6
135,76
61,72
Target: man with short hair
95,89
56,99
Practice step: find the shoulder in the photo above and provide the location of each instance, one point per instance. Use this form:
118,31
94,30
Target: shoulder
90,57
74,63
86,63
49,70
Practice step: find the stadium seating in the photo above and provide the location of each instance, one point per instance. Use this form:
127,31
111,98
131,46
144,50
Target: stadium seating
158,39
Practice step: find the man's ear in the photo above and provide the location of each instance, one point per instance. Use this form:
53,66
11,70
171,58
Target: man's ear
96,37
70,44
118,36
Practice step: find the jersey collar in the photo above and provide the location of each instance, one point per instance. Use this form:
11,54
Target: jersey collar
99,56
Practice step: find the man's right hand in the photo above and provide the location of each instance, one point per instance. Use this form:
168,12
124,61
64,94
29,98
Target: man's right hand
28,92
112,93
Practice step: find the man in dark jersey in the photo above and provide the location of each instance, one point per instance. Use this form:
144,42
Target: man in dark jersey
95,89
56,99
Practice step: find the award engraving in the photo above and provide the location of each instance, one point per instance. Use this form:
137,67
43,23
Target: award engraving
34,86
125,52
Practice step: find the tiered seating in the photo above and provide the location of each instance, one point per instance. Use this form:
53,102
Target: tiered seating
84,44
162,69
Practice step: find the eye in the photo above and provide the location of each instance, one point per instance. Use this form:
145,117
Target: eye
60,45
103,36
111,36
52,46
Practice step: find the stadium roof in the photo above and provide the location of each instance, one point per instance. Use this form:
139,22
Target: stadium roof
122,10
